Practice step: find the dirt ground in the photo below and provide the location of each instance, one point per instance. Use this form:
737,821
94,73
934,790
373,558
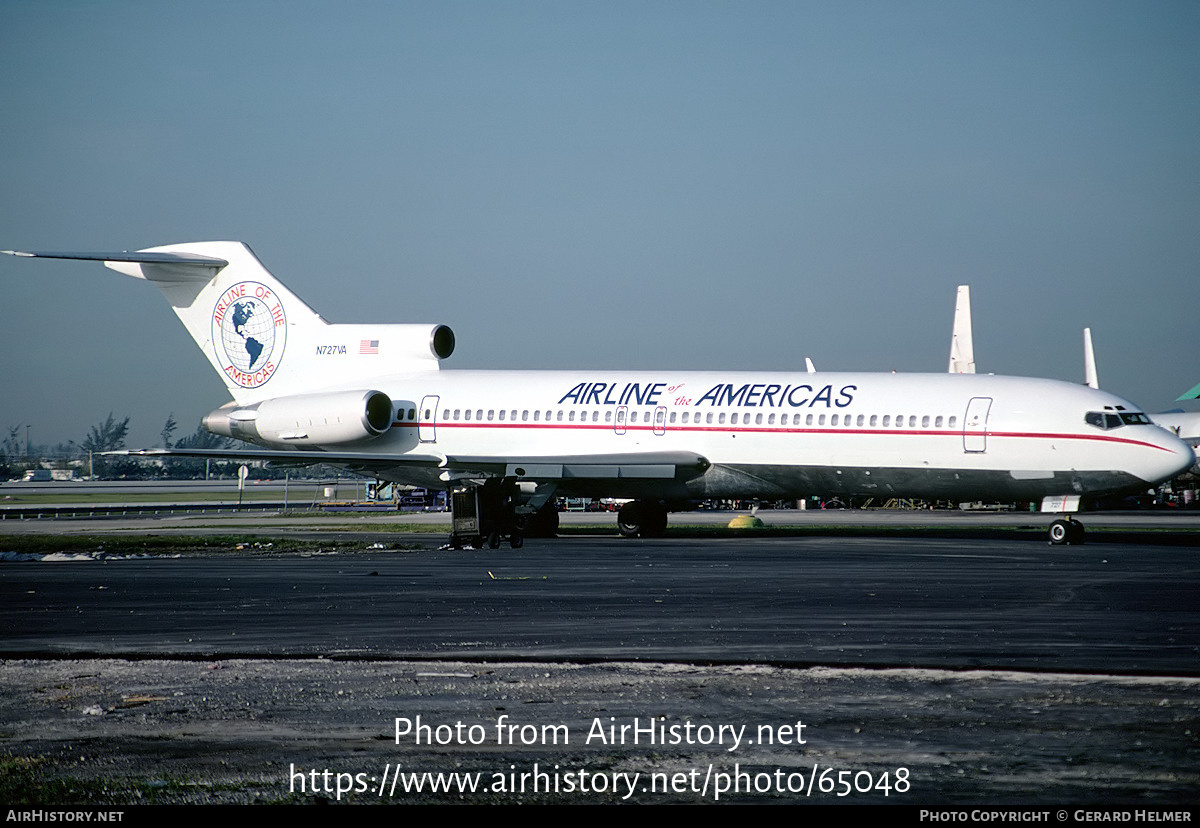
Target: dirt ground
112,732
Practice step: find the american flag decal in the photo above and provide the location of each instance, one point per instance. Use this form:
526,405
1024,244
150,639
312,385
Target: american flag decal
369,346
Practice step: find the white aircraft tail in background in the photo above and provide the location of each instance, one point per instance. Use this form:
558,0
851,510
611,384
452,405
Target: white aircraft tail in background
962,343
1090,378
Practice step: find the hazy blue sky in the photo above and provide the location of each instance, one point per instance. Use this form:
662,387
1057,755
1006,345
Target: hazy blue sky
610,184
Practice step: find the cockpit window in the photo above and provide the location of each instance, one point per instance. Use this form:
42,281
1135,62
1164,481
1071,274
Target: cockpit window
1107,420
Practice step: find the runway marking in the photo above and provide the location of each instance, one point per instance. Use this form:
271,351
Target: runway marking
516,577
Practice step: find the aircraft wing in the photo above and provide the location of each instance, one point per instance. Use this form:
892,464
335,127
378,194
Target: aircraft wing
647,466
357,460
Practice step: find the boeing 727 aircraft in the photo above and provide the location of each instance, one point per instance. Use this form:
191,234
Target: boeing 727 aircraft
373,398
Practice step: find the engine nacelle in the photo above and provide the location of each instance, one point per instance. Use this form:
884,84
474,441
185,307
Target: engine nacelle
306,419
398,343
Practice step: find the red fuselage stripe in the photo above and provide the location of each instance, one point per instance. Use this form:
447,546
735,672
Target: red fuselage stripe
1104,438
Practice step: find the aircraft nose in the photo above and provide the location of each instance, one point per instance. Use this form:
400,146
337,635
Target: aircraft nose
1180,458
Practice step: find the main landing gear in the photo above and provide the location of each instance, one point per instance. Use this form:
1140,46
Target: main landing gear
1065,530
642,519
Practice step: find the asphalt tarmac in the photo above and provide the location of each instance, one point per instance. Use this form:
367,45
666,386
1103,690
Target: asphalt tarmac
926,670
829,601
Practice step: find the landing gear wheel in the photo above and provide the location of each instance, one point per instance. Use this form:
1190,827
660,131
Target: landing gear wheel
1060,531
656,521
642,519
493,540
1075,536
541,524
1068,531
629,519
516,540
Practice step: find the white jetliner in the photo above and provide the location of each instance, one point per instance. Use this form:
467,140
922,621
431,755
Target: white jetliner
372,398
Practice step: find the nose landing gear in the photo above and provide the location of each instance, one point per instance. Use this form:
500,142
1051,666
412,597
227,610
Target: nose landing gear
1065,531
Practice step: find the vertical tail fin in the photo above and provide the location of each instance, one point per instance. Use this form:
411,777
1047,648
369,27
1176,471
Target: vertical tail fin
962,344
240,315
260,337
1090,377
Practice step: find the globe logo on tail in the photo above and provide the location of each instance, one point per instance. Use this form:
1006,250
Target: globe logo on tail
249,333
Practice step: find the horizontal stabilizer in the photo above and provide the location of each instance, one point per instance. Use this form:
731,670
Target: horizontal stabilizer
160,267
125,256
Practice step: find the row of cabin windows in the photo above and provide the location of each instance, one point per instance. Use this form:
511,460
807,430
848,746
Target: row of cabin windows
706,418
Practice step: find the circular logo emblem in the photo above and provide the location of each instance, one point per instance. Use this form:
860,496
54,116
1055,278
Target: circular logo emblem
249,331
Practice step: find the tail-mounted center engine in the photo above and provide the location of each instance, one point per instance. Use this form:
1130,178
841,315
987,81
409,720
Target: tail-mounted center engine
306,419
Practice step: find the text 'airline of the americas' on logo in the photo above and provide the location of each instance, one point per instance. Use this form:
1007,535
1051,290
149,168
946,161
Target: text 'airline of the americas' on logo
249,333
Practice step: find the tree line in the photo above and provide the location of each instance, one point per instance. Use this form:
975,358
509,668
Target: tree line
85,457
